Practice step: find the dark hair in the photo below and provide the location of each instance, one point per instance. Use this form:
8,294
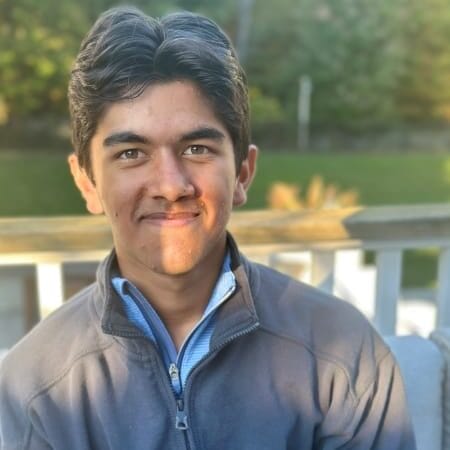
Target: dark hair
126,51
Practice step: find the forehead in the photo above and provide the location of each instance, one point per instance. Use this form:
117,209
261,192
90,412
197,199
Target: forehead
164,108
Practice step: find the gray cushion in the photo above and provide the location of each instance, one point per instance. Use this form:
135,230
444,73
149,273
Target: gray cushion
423,369
442,338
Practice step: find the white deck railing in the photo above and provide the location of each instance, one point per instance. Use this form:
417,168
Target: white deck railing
47,243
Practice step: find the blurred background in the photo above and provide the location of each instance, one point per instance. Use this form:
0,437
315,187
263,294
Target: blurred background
350,104
350,90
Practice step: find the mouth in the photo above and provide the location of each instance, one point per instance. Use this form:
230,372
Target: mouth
169,218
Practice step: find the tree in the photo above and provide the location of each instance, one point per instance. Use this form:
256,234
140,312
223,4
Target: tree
371,62
38,44
423,92
39,41
350,49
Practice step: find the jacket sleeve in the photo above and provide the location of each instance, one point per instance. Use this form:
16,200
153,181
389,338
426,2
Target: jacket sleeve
16,427
377,419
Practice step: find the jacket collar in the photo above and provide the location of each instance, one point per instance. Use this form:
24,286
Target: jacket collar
238,315
234,317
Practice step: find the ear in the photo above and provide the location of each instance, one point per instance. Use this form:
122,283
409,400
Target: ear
245,176
85,185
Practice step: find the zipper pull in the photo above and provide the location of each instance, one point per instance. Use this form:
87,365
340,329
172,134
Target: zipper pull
174,373
181,422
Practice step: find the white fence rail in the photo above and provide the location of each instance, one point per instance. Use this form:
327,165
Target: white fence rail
274,236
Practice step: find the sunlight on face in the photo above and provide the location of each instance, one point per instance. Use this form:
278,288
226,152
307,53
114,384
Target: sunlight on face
166,179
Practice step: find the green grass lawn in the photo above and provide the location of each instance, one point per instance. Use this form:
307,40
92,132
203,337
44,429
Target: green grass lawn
37,184
380,179
40,184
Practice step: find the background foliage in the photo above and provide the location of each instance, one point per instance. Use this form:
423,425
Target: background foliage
372,64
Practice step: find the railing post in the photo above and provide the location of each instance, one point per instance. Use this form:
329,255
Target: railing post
322,269
443,290
50,287
387,290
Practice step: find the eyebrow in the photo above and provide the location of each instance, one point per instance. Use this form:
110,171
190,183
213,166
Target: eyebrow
124,137
203,133
128,137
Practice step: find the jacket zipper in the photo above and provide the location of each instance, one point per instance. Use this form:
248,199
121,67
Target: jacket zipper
249,330
181,422
181,419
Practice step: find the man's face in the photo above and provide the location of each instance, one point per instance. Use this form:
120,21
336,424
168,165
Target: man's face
165,177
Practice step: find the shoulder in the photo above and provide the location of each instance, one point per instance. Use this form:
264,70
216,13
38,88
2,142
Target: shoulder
52,347
302,303
331,330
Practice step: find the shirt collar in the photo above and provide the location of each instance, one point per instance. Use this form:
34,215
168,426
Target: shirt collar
224,287
236,313
141,313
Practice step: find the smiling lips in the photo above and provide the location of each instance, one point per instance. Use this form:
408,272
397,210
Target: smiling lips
168,218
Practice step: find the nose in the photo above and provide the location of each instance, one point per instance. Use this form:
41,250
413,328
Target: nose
170,178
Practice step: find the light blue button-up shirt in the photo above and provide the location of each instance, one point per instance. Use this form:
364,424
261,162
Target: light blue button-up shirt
140,312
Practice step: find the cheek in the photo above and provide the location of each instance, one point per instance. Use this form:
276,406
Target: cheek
217,185
221,196
119,194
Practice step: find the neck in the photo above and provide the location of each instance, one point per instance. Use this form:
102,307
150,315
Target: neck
179,300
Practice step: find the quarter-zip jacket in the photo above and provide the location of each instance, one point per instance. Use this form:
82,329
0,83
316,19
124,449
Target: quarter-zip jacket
289,367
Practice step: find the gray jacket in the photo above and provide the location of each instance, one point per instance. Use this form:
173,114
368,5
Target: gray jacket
289,368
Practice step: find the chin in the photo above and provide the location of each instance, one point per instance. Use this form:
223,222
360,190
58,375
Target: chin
176,262
173,268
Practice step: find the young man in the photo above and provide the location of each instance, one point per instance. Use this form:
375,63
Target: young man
182,343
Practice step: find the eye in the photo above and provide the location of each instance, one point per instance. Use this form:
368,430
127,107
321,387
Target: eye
196,150
131,153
